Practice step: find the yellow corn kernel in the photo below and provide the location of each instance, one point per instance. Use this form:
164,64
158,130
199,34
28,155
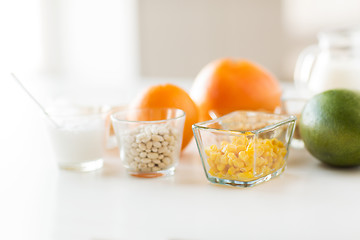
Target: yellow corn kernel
250,150
267,154
240,148
218,159
214,148
211,163
248,175
231,171
259,150
224,159
245,175
282,152
220,166
278,164
212,171
221,175
214,155
262,171
230,148
225,171
207,151
238,163
279,143
231,156
242,155
235,160
260,161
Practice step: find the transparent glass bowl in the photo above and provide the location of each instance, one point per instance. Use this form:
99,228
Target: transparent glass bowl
149,140
294,106
244,148
78,140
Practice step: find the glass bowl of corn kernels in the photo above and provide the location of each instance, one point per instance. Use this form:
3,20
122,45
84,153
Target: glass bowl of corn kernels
244,148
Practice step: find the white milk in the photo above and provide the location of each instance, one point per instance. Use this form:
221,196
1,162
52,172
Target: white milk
335,74
78,142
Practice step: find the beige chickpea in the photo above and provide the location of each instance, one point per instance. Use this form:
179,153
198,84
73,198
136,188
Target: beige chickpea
151,148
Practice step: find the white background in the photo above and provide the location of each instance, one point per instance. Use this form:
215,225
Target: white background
93,51
109,41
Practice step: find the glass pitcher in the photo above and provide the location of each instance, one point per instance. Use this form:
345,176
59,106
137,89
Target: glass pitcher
333,63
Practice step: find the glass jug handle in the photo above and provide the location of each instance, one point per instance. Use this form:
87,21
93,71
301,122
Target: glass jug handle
304,67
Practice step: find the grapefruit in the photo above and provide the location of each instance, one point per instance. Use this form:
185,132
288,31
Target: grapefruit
330,127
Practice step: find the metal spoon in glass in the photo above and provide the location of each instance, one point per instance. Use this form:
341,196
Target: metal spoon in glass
37,103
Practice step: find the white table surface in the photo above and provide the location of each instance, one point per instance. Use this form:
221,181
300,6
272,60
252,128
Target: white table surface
39,201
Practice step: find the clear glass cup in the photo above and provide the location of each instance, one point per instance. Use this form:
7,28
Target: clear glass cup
294,106
244,148
78,140
149,140
111,145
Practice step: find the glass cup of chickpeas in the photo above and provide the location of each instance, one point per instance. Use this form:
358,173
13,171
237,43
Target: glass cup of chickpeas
149,140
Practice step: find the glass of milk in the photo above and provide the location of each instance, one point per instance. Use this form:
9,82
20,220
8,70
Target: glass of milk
333,63
78,140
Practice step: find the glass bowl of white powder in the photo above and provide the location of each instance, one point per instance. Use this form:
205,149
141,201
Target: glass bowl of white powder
78,137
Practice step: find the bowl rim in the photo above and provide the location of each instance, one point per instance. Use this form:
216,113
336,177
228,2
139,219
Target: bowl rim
115,119
288,119
74,110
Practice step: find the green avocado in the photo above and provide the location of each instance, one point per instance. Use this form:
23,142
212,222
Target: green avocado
330,127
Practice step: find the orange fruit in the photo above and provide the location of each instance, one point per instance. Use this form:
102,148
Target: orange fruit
170,96
227,85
